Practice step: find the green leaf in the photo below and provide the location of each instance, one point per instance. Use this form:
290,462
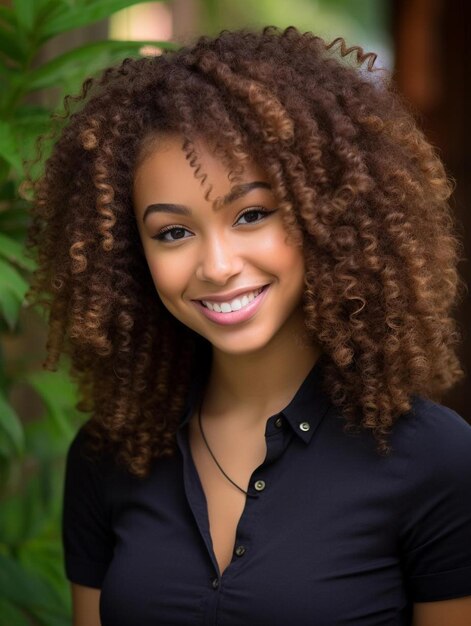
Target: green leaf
11,615
7,186
8,146
10,307
51,618
59,395
12,280
24,588
44,555
13,288
7,16
27,506
27,131
43,440
25,14
15,218
85,61
5,454
13,251
11,426
10,48
77,14
30,112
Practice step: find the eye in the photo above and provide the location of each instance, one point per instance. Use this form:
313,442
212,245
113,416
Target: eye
170,229
255,210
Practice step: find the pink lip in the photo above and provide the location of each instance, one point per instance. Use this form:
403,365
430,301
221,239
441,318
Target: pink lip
235,316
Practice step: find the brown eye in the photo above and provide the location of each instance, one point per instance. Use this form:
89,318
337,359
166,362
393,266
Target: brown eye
161,235
261,210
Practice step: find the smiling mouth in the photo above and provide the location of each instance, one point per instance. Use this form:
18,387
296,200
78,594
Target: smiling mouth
257,292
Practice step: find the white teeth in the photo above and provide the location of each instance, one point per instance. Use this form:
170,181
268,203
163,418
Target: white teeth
235,305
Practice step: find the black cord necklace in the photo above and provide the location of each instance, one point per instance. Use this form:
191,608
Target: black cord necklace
215,460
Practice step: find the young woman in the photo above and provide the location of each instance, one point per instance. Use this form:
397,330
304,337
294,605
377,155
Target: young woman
250,260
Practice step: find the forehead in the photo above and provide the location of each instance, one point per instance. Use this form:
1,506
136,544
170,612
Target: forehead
164,172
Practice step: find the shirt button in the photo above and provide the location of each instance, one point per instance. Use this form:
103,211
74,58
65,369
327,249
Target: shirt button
259,485
215,583
304,426
279,422
240,550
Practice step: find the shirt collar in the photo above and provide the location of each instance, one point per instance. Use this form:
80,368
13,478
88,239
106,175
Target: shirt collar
304,413
309,404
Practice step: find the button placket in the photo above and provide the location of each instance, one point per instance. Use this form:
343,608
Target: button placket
258,486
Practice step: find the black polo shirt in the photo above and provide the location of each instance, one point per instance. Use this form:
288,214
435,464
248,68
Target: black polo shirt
331,534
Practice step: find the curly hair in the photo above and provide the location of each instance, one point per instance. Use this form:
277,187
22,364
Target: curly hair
358,186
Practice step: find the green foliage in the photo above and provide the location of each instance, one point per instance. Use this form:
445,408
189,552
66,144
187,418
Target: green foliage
33,589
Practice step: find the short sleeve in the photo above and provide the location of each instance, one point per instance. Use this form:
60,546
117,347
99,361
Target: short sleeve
436,512
87,535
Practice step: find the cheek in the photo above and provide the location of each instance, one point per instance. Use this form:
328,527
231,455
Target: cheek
165,278
289,259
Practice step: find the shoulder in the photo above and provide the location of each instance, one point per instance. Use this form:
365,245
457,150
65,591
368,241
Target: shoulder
436,445
77,444
78,450
81,459
437,433
425,409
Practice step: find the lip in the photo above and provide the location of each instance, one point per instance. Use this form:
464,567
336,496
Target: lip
235,317
227,297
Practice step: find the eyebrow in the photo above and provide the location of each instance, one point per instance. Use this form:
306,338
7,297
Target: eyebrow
180,209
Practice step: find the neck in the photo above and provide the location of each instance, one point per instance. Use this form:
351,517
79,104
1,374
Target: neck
248,388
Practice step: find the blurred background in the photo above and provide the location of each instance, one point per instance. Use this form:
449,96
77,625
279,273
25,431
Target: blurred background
47,48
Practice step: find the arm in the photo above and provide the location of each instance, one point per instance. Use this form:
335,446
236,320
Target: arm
456,612
85,605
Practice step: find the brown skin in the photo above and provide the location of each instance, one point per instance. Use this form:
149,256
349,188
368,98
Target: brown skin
456,612
85,605
220,251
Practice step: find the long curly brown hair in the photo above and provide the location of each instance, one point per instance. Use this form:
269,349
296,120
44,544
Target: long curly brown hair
358,187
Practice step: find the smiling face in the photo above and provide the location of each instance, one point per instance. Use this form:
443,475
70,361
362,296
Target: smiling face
206,252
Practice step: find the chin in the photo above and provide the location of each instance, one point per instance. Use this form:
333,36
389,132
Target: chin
242,341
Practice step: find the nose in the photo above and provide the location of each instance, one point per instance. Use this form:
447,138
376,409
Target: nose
219,261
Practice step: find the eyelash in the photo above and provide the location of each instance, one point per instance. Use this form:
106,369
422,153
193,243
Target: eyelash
167,229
